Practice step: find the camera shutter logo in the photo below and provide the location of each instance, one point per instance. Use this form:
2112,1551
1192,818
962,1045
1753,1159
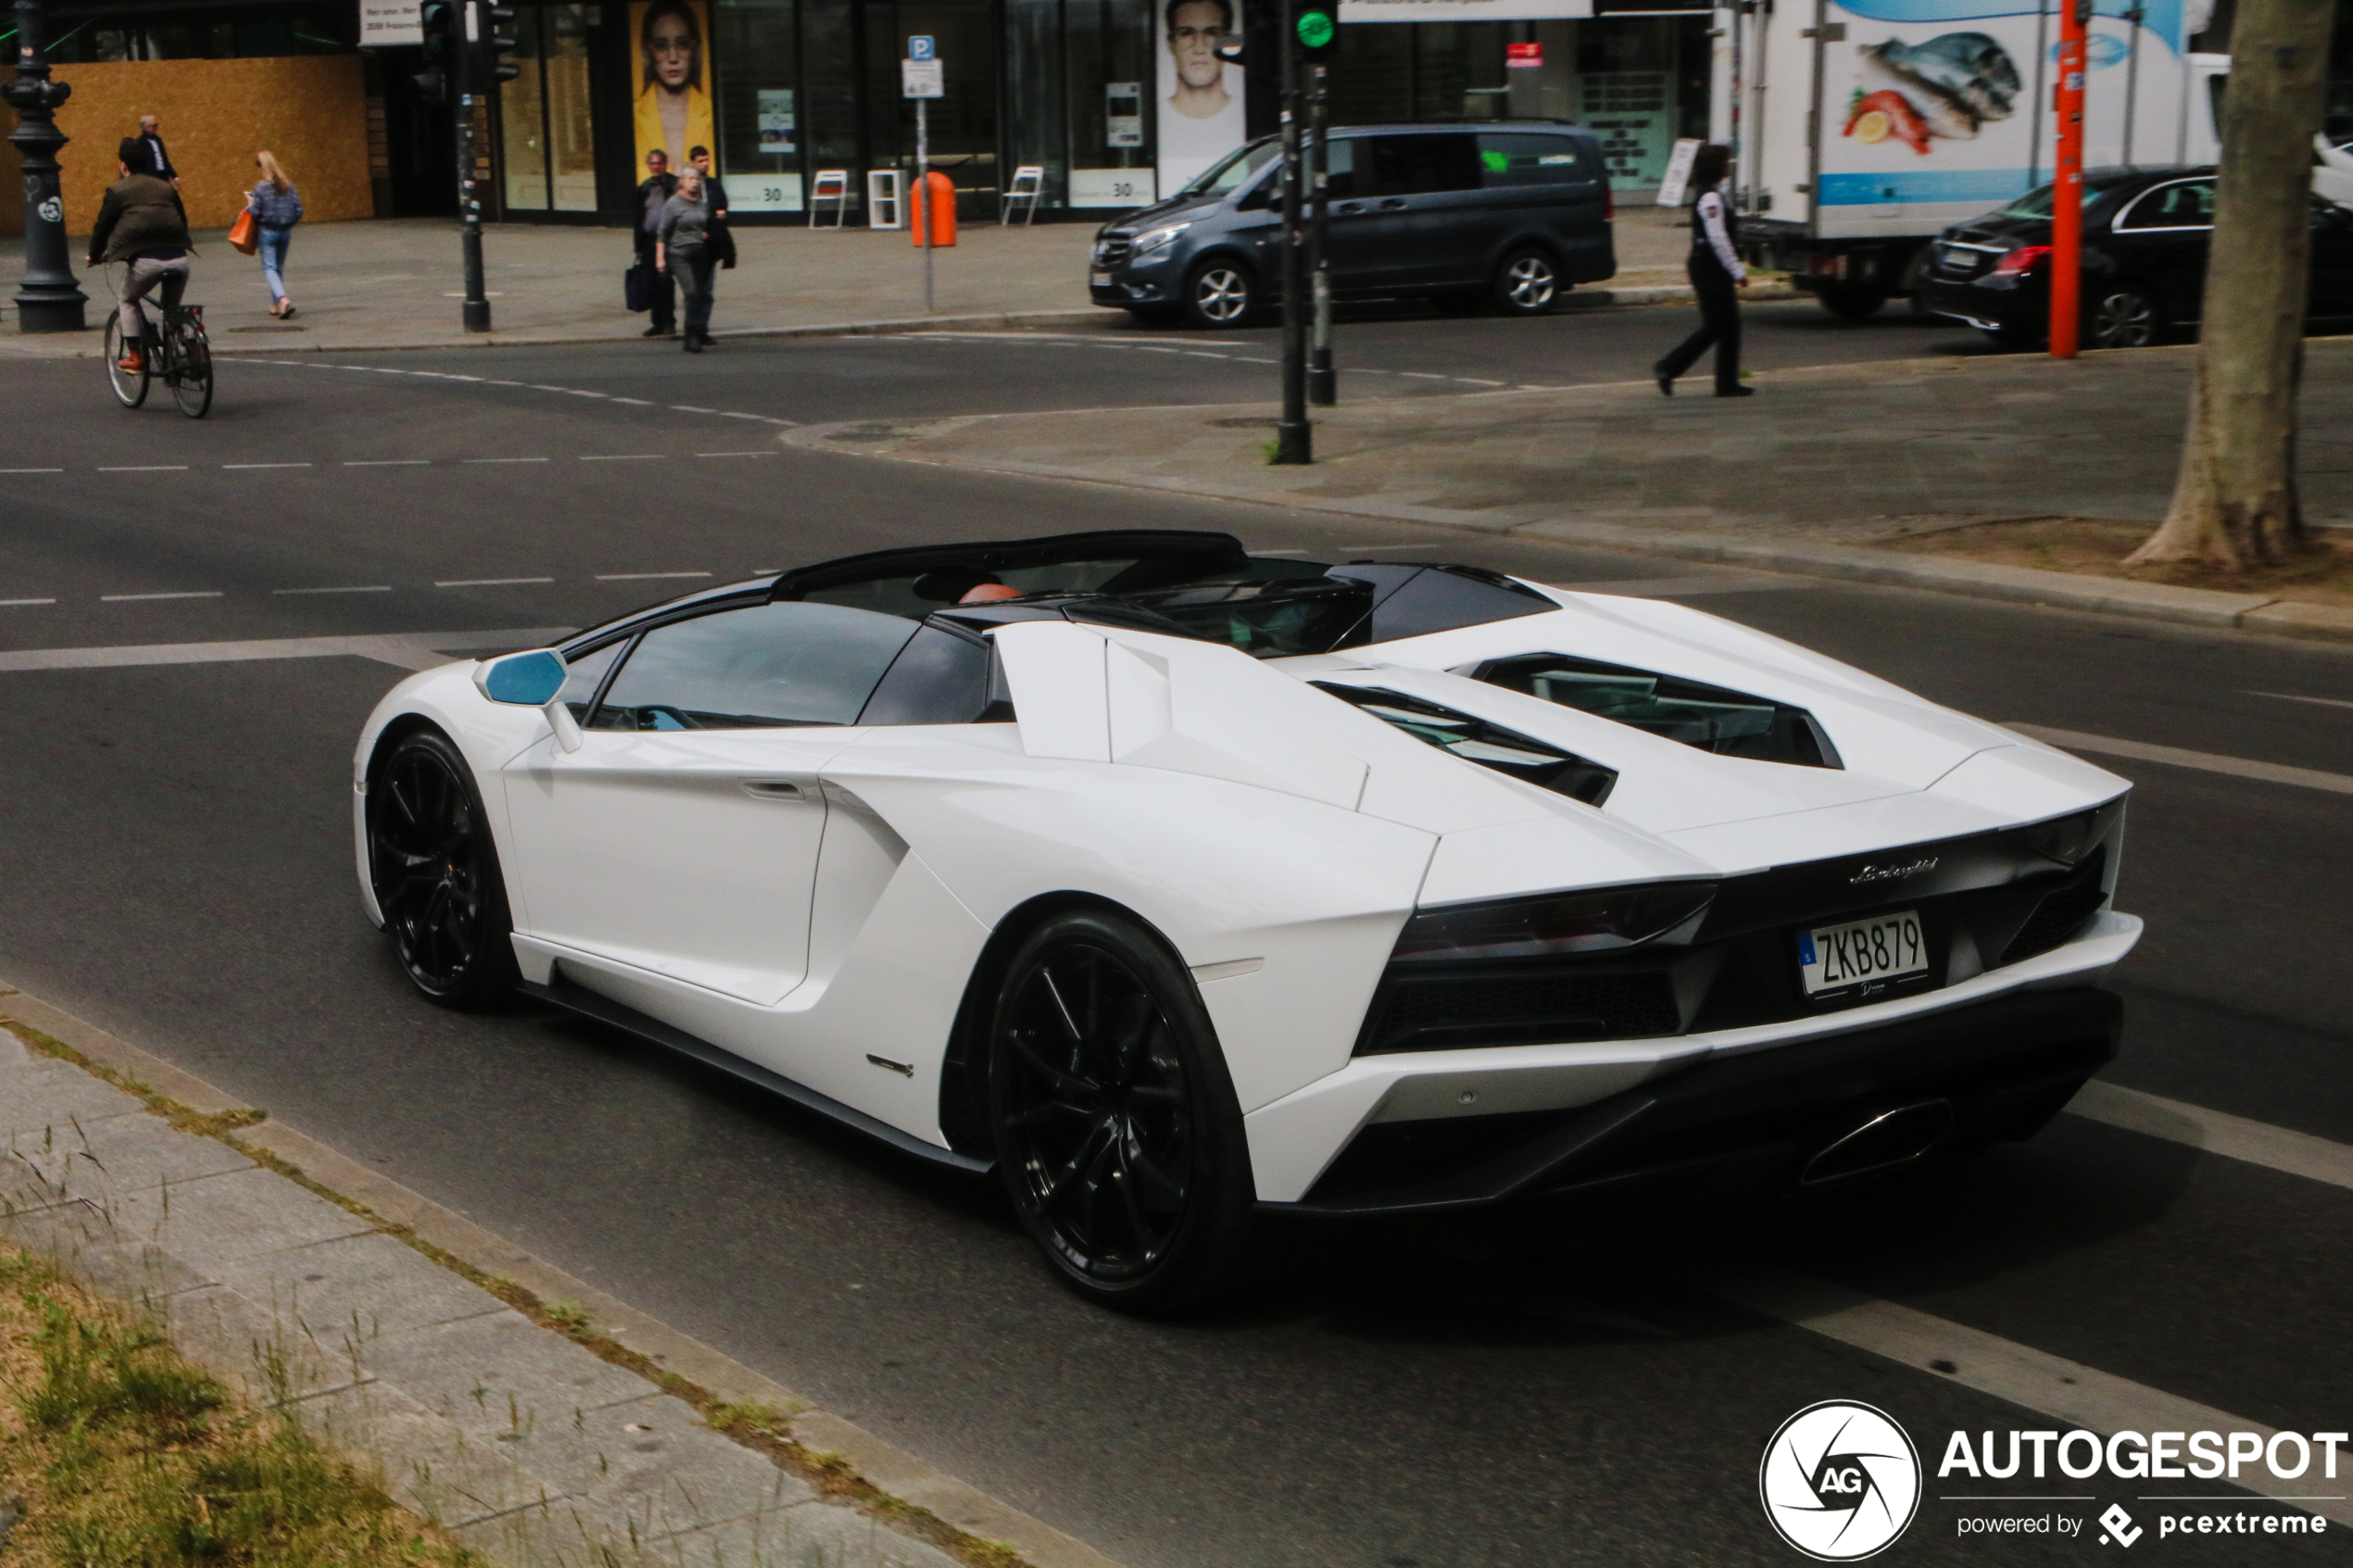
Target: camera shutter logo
1840,1481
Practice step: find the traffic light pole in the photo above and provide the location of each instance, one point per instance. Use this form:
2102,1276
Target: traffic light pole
2067,195
1323,386
1294,438
476,310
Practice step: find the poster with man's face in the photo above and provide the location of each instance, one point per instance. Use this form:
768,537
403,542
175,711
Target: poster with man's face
672,82
1201,95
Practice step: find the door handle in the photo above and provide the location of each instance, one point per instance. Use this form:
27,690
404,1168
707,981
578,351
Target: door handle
774,789
1347,206
1393,205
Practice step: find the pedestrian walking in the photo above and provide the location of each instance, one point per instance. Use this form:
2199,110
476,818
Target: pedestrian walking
143,154
723,238
682,249
656,189
1716,275
276,207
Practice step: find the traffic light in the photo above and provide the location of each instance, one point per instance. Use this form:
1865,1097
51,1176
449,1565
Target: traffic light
501,42
442,30
1317,30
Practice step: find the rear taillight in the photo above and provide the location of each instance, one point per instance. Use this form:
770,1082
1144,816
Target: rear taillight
1553,924
2020,261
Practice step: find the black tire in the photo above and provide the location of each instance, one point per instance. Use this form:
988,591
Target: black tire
1114,1120
1219,292
1155,315
191,377
435,871
1528,283
2122,316
1852,302
130,389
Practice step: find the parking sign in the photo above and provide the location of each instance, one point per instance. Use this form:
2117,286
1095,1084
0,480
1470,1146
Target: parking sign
922,46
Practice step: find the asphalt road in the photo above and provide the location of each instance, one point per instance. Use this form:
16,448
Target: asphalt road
175,865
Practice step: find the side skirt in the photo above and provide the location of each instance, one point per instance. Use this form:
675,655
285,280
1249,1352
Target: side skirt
578,998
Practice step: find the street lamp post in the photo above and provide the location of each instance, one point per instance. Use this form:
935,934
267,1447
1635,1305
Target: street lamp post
49,300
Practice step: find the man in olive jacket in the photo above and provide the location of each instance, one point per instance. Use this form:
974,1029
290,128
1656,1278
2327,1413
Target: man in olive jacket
142,222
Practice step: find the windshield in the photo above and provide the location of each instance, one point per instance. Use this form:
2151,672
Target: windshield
1233,168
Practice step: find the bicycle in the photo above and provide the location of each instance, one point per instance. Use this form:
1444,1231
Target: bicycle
181,354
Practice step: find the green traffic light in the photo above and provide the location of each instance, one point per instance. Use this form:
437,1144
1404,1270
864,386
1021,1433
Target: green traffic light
1316,28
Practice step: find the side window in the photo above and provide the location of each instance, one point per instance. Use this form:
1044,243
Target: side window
2185,204
939,678
1413,166
1340,168
584,674
758,668
1513,158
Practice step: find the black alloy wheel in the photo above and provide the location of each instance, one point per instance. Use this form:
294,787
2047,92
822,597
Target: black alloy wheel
1220,293
1115,1123
435,873
1528,282
2124,317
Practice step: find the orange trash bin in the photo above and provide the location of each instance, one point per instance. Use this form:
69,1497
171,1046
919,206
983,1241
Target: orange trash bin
938,205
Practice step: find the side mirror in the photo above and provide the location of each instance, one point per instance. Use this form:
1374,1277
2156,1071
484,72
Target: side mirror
531,680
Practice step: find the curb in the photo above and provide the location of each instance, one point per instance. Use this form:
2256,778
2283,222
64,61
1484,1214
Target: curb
884,1466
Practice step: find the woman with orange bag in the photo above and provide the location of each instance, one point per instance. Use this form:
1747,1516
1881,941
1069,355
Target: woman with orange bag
276,208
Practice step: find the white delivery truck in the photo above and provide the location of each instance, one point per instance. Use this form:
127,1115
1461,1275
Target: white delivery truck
1866,126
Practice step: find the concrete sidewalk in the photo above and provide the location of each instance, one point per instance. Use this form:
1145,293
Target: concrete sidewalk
1819,472
516,1437
394,284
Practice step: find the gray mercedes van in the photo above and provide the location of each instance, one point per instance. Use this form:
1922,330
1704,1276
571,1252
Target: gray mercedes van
1511,212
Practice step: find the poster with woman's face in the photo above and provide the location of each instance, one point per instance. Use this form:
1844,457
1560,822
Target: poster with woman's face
672,79
1201,95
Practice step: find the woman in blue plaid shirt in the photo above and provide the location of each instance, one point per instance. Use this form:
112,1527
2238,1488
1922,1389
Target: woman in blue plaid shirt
277,207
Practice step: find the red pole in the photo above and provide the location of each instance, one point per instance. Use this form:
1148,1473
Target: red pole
2067,198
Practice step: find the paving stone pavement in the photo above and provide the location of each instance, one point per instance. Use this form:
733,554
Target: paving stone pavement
1843,454
527,1446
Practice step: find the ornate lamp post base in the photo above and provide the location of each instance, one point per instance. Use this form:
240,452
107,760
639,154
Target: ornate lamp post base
49,300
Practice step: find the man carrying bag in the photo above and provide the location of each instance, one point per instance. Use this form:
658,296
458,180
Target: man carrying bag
645,286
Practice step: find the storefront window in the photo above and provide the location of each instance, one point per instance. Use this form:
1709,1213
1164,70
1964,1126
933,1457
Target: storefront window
522,122
1627,92
572,140
1036,124
1108,48
759,60
963,123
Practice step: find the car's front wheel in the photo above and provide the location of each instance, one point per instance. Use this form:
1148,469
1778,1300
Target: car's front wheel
1219,293
2125,317
1116,1125
435,873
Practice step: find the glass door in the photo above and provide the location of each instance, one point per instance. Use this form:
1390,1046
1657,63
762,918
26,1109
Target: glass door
522,123
547,128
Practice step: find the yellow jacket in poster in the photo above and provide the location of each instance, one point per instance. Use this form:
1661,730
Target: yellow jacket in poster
699,130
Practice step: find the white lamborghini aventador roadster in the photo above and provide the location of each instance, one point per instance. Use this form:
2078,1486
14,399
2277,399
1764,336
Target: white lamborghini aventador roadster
1171,882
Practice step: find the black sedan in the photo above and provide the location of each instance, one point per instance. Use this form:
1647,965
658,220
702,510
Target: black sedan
2146,236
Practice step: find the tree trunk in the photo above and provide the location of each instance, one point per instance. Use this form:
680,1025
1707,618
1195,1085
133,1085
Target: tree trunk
2235,502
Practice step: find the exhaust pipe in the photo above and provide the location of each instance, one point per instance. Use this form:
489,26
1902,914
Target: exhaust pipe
1890,1138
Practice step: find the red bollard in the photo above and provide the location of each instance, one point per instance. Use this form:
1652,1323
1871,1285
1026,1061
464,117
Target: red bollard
943,215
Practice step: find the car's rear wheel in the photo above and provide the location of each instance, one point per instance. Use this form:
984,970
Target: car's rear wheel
2123,315
1528,282
1219,293
435,873
1116,1125
1852,302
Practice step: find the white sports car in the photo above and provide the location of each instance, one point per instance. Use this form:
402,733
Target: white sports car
1174,883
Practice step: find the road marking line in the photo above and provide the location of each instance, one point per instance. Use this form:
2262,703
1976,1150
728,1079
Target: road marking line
2204,761
503,460
28,601
1197,354
408,650
734,454
1254,552
1154,348
1474,380
731,414
238,465
490,582
502,384
690,408
149,468
2217,1131
137,598
1423,375
389,463
452,375
371,588
639,402
2284,696
622,457
31,470
644,576
2052,1385
536,387
578,393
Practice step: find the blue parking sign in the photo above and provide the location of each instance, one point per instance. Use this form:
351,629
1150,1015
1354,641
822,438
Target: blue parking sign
922,46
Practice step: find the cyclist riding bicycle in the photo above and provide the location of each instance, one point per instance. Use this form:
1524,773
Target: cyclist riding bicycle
143,224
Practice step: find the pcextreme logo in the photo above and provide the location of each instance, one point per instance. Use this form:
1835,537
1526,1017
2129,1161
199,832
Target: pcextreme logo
1840,1481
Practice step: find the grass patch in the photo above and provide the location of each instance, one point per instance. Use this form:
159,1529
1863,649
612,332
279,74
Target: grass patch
2322,575
124,1454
